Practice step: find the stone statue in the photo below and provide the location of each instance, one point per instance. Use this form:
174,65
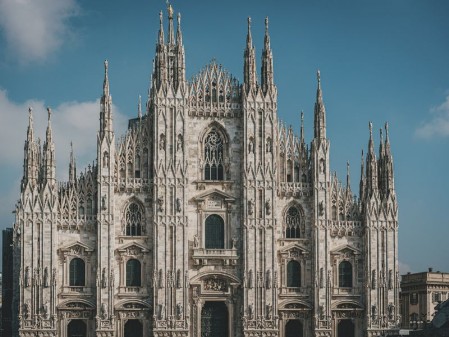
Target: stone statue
234,242
45,280
179,143
268,207
179,310
103,278
250,311
178,205
27,277
269,310
250,206
196,241
161,311
45,310
26,310
104,311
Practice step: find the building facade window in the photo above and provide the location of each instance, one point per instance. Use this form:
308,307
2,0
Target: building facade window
293,274
214,236
133,273
133,220
345,274
414,298
213,156
293,223
77,277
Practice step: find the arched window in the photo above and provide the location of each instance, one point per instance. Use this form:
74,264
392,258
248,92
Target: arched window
133,273
213,156
133,220
293,274
77,273
345,274
293,223
214,232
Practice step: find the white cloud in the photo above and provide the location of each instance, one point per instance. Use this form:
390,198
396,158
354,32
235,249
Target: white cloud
34,29
403,268
438,125
71,121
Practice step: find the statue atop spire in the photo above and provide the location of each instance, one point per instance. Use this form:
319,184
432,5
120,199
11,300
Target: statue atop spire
267,63
249,70
320,111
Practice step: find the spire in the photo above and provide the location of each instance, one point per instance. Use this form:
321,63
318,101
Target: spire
250,61
49,131
72,166
179,32
348,180
362,179
302,127
388,164
267,62
171,32
161,29
139,108
106,105
30,131
320,112
371,164
49,153
381,145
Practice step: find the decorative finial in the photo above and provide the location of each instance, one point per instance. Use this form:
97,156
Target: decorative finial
30,114
160,18
170,11
179,19
139,110
266,24
318,76
106,66
386,129
249,22
302,116
370,129
49,113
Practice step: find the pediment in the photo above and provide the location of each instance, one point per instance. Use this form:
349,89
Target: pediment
345,250
214,199
76,248
294,249
132,248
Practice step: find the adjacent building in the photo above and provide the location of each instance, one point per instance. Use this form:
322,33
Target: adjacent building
208,217
420,294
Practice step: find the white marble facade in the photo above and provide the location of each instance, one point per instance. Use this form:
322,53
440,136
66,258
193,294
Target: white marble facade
209,217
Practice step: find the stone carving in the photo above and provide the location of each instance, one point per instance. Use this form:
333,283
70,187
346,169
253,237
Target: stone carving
215,284
26,310
162,142
178,279
269,309
26,281
321,208
268,207
269,281
234,242
373,312
179,310
269,146
178,205
45,278
54,276
250,279
373,279
250,146
161,311
390,311
103,278
196,241
104,311
321,278
179,143
45,310
160,203
390,279
161,279
250,311
250,206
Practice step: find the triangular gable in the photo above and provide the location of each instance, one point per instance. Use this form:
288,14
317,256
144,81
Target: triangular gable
76,246
345,248
294,246
203,196
133,246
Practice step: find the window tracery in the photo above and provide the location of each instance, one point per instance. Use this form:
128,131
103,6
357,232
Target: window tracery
293,223
133,220
213,156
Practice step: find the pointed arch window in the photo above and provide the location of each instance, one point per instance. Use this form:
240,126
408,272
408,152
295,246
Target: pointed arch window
133,220
293,274
133,273
77,277
213,156
345,274
293,223
214,232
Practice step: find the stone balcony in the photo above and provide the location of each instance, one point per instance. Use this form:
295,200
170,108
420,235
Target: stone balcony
203,256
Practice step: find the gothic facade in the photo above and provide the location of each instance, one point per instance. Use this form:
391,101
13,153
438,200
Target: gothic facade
207,218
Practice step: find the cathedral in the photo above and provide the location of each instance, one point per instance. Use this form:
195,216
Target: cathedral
207,218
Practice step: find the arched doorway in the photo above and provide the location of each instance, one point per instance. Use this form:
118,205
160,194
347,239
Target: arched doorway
214,320
345,328
76,328
293,328
133,328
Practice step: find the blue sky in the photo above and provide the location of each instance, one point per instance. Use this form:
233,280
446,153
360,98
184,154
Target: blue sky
384,60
